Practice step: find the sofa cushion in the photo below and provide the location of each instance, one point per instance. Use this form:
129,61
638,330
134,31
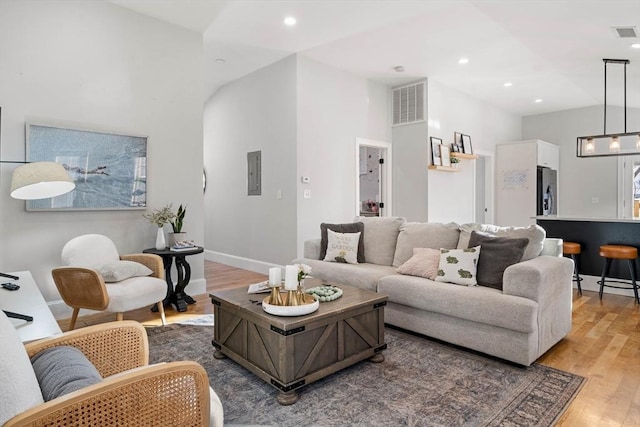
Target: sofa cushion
354,227
458,266
342,247
363,276
534,233
62,370
473,303
380,237
134,292
19,388
116,271
423,263
424,235
496,254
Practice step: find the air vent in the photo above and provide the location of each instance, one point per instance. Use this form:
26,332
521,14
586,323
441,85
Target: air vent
408,104
625,32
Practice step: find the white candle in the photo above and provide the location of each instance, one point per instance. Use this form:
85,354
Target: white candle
275,276
291,278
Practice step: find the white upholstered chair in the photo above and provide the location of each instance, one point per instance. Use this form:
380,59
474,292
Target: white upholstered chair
92,273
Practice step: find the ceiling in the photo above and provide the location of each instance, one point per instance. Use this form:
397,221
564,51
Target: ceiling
548,49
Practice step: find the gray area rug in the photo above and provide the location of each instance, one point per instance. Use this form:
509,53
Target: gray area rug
421,383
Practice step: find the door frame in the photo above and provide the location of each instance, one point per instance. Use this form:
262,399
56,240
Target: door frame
387,174
625,186
489,188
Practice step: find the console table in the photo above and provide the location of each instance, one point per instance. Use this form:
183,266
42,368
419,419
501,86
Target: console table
28,301
177,295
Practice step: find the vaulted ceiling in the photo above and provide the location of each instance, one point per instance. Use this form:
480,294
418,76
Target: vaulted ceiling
550,50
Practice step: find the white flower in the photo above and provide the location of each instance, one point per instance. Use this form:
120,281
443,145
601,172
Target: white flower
303,271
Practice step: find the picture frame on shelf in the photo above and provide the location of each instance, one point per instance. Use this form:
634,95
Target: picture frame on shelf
436,144
455,148
467,148
445,155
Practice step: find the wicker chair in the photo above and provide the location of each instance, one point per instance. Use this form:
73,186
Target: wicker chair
132,393
82,286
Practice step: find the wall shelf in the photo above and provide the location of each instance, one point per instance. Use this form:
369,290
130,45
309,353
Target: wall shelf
444,168
465,156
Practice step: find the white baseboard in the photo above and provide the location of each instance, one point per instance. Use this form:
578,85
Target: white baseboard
240,262
61,310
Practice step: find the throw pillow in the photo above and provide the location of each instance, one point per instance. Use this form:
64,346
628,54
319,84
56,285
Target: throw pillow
534,233
423,263
424,235
458,266
355,227
117,271
380,237
62,370
342,247
496,255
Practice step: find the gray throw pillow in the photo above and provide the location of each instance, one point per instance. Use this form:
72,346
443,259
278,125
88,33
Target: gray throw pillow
355,227
62,370
496,254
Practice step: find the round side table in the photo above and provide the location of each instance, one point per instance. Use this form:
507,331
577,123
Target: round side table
177,295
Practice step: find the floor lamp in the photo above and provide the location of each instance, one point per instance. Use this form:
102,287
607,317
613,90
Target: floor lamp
37,180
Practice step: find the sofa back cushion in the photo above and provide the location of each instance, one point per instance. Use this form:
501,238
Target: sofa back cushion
424,235
380,237
19,388
534,233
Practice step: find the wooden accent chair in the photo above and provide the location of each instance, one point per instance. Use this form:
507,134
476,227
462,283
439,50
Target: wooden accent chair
81,285
131,392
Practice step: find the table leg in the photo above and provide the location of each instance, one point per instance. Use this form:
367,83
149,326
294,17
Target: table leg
184,275
170,298
288,398
377,358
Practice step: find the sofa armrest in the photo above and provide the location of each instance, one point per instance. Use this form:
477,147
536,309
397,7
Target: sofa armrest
539,279
552,247
312,249
153,395
126,341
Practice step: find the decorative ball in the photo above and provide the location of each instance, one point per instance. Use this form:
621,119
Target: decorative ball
325,293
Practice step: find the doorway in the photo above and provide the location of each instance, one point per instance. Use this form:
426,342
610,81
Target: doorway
373,178
483,189
629,187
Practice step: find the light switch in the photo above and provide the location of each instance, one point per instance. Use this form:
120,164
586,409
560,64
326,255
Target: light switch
595,200
307,194
305,179
279,194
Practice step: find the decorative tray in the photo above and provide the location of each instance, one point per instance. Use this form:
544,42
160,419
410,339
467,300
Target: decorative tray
311,305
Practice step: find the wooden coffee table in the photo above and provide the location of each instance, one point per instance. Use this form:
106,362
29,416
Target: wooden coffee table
291,352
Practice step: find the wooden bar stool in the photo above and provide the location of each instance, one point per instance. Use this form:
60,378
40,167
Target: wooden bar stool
628,253
572,249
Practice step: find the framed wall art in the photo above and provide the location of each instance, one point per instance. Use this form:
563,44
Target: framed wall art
456,146
445,155
436,144
109,170
466,144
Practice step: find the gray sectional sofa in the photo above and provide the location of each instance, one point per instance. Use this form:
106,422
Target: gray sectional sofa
518,323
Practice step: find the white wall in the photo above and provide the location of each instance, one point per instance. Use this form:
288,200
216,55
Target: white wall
254,113
97,65
582,179
451,194
334,108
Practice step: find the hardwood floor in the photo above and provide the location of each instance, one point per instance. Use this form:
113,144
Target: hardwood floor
603,346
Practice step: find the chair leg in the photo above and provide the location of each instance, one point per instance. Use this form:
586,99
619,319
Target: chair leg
632,270
74,317
575,272
120,317
605,271
161,311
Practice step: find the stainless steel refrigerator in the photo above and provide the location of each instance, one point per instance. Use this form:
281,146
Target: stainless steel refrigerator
547,192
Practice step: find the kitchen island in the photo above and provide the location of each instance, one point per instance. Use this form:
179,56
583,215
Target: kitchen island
591,233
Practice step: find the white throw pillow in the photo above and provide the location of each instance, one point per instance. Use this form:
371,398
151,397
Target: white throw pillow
117,271
342,247
458,266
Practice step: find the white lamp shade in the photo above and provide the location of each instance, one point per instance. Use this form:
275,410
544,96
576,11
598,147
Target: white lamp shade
40,180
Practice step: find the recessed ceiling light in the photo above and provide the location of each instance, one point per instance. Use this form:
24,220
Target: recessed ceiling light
220,61
399,68
290,21
463,61
636,45
508,84
538,101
